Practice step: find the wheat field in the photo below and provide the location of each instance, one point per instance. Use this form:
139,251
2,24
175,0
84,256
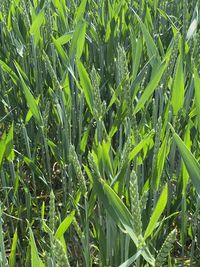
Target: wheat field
99,133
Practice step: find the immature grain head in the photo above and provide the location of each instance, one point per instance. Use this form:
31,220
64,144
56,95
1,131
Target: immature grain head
166,248
135,204
75,162
52,211
60,255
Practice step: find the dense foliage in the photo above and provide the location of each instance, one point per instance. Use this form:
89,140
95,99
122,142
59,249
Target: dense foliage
99,133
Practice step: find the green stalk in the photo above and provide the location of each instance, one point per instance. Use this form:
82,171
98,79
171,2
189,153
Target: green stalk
3,253
195,224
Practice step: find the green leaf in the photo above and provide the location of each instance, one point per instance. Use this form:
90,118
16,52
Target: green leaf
192,165
84,140
131,260
81,41
12,258
119,213
2,147
145,141
35,169
151,46
117,92
150,87
162,154
35,259
61,8
78,40
29,114
11,73
193,26
64,39
118,119
178,87
60,50
46,228
188,143
54,150
125,217
106,156
121,210
136,55
35,27
80,10
167,18
9,152
64,225
160,206
197,95
21,71
85,84
31,102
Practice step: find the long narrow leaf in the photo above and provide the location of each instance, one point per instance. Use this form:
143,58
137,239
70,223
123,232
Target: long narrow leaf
35,259
151,46
151,87
131,260
178,87
197,95
119,212
64,225
160,206
12,258
31,102
145,141
9,152
192,165
86,84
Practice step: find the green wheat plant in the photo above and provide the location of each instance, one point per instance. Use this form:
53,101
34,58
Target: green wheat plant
99,133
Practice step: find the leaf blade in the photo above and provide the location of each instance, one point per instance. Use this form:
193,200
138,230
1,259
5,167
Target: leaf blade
150,87
160,206
178,87
85,84
64,225
193,167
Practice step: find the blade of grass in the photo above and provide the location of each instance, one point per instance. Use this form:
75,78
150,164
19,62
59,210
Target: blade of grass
12,258
192,165
197,95
178,87
78,40
35,27
80,10
35,259
9,152
64,225
145,141
160,206
31,102
131,260
86,84
151,46
150,87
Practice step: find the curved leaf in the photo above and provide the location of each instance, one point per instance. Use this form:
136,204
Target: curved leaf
64,225
192,165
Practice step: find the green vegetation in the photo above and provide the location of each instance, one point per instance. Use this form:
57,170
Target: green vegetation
99,133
